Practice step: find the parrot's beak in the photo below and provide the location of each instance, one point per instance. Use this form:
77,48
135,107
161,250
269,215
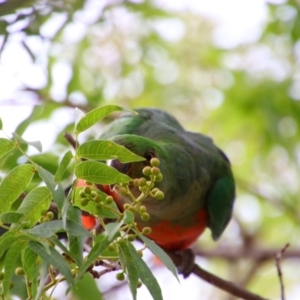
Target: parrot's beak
123,168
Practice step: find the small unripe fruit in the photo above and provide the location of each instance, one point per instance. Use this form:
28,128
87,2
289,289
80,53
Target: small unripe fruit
50,215
139,284
19,271
155,171
146,230
11,285
82,194
147,171
159,195
142,182
140,253
159,177
154,162
132,208
109,199
123,190
45,219
145,216
84,201
87,189
94,194
143,209
97,199
136,182
1,276
120,276
131,237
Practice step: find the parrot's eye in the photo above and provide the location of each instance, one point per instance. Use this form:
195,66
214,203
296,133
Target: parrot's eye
148,155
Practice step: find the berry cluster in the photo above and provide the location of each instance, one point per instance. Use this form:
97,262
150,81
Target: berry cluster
88,194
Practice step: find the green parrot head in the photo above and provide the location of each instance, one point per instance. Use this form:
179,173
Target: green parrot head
143,147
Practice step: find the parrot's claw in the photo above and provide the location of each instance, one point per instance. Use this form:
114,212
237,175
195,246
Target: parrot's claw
187,263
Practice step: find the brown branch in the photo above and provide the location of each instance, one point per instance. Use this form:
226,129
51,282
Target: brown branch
222,284
71,140
278,257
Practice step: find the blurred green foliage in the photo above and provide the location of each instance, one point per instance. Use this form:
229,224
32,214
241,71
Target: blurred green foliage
138,54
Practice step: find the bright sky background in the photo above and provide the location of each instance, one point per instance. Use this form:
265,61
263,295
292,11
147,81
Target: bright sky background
237,22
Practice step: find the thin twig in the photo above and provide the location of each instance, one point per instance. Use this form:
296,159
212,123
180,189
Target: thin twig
278,257
71,140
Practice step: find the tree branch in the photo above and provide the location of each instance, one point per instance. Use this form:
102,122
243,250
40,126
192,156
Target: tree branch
278,257
224,285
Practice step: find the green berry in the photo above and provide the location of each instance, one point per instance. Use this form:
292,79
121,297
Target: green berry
140,253
147,171
154,162
109,200
1,276
145,216
50,215
94,194
132,208
82,194
136,182
143,209
139,284
155,171
159,195
19,271
146,230
97,199
84,201
142,182
11,285
87,189
123,190
120,276
131,237
159,177
45,219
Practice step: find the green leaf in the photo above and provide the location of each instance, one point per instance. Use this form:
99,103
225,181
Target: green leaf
67,158
60,245
100,173
36,144
42,279
113,228
130,266
29,265
87,283
105,150
34,204
5,146
160,253
46,230
55,188
93,208
52,257
10,263
97,249
76,248
11,217
145,274
14,184
95,116
6,240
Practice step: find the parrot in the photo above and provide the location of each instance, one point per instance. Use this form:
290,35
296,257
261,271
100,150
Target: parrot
198,183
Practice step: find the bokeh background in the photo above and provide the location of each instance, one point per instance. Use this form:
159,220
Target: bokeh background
227,68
